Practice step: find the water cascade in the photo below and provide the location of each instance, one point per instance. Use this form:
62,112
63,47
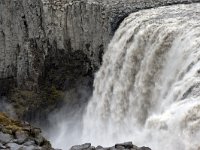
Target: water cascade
148,87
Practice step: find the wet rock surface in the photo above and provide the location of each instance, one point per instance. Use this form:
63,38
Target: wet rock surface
121,146
16,135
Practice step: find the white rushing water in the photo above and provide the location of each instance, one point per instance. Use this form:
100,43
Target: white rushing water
148,88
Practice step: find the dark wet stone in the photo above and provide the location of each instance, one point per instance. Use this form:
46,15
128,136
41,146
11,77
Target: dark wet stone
144,148
21,137
127,145
121,146
81,147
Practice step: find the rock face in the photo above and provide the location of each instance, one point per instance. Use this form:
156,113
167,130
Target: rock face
39,35
15,135
122,146
58,44
88,25
22,40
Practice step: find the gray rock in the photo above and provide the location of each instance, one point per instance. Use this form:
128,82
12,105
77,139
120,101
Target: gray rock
2,146
21,137
99,148
5,138
39,139
81,147
21,39
36,131
29,143
14,146
121,146
144,148
112,148
31,147
127,145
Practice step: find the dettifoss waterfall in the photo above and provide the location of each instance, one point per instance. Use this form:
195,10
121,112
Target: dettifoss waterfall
148,87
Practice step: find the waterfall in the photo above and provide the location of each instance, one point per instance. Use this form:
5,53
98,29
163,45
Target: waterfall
148,87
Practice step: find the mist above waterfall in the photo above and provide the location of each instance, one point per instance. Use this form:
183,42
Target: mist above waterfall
66,122
147,89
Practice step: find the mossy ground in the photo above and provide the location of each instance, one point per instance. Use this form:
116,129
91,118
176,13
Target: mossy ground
9,125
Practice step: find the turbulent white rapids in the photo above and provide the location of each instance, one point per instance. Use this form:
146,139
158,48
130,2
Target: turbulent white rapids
148,88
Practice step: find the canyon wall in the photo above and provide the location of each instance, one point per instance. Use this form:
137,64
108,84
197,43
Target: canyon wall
51,46
22,43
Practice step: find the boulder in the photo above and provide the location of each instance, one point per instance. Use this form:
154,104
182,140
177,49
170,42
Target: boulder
14,146
121,146
15,136
5,138
127,145
144,148
2,146
21,137
85,146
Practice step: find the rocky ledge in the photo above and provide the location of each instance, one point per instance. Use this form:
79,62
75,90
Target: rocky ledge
16,135
122,146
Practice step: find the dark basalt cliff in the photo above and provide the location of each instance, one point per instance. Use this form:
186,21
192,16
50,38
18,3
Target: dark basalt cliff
51,46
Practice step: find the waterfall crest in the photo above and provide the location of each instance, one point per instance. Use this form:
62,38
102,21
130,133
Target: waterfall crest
148,88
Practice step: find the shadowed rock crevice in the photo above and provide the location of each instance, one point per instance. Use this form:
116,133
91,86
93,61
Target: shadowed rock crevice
64,69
